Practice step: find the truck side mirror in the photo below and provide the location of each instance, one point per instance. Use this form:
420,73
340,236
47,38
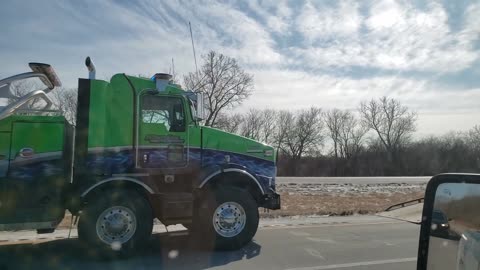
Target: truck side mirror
450,228
200,109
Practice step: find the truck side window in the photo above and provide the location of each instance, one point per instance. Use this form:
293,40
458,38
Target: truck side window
164,110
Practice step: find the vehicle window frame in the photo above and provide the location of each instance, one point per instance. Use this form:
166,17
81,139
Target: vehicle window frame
171,113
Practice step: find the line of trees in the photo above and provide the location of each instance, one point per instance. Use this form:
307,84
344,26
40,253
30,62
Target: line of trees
375,140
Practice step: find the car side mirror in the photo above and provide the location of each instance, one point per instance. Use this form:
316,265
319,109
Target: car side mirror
450,227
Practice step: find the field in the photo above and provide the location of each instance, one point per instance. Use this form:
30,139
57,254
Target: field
342,199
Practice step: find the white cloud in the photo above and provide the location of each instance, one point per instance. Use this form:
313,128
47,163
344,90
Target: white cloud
276,14
386,15
231,31
328,91
396,36
471,30
141,38
341,21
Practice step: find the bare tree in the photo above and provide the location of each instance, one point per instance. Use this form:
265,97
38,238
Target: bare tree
229,123
305,133
474,143
392,122
350,136
474,138
21,88
334,120
302,135
252,124
268,128
224,83
346,134
260,125
285,121
65,100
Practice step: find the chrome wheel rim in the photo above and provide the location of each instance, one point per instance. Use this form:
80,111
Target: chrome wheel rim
229,219
116,225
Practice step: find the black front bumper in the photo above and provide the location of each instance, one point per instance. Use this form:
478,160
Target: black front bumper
271,201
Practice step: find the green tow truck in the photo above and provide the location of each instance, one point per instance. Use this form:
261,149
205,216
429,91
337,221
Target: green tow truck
137,152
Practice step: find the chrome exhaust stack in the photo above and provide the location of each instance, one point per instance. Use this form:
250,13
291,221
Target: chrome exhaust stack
91,68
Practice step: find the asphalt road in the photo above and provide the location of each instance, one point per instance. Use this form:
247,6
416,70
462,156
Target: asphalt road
363,243
354,180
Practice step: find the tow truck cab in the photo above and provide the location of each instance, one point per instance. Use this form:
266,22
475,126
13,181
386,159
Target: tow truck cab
149,136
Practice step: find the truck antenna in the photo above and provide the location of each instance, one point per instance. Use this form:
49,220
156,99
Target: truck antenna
173,69
91,68
193,47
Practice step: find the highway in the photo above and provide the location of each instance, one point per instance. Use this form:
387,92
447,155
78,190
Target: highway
364,242
354,180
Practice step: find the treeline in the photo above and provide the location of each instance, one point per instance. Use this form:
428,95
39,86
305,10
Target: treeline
375,140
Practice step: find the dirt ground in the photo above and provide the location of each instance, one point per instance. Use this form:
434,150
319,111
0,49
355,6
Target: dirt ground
334,199
342,199
334,205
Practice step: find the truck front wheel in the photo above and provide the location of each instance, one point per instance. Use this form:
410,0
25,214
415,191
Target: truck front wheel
229,217
118,222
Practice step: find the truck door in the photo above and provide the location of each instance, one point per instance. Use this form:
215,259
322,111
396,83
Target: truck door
162,136
35,180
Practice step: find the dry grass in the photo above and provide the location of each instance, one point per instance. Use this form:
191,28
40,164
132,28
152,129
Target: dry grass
346,204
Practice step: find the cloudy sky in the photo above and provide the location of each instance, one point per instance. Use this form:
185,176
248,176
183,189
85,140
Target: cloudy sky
301,53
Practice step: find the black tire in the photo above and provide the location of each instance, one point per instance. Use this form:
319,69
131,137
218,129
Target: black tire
204,227
131,201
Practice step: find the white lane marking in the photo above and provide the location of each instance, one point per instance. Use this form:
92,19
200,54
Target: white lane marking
299,233
384,242
314,253
320,240
356,264
331,225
